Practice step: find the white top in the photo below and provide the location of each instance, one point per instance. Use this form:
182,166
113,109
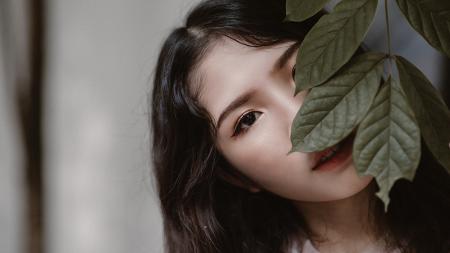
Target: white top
309,248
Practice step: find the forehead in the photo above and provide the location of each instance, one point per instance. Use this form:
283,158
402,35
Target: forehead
230,68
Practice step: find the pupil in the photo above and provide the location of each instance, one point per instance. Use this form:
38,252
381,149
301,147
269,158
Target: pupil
249,119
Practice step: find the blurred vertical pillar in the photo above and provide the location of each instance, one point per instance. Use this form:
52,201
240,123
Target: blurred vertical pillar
31,104
23,41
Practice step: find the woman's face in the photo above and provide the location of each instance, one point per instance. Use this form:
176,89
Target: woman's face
250,98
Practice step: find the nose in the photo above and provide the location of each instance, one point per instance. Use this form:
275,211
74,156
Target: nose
292,106
288,106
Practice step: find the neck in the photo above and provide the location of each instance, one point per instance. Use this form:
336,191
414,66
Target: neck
343,225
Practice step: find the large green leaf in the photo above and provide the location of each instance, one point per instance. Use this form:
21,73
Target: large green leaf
299,10
331,111
430,109
332,41
387,143
430,18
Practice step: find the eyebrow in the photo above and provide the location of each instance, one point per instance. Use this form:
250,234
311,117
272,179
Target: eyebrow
244,98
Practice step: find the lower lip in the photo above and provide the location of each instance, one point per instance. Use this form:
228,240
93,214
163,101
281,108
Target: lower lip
340,160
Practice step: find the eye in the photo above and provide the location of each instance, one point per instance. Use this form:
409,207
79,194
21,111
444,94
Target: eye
245,122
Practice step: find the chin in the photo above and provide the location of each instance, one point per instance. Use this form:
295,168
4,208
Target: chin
363,185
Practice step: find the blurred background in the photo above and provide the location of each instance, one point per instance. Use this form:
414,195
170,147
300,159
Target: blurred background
75,173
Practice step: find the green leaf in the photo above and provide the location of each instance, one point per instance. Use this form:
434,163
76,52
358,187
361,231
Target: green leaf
387,142
332,41
430,18
331,111
299,10
430,109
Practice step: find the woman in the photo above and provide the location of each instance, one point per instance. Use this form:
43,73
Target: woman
222,108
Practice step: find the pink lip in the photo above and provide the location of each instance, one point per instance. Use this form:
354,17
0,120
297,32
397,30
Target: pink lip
338,160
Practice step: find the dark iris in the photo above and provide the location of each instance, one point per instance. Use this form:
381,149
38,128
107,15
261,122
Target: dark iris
246,121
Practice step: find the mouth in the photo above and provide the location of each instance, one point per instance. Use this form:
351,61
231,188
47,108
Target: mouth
335,156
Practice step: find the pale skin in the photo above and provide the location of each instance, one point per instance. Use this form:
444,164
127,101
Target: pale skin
334,203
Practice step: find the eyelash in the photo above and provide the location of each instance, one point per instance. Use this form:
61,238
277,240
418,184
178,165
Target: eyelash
238,130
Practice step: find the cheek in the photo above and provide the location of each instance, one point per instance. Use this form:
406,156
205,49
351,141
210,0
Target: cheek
265,161
261,151
347,183
262,156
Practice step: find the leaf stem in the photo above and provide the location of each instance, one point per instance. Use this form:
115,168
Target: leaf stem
388,31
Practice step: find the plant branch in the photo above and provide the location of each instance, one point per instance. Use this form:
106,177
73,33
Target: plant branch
388,31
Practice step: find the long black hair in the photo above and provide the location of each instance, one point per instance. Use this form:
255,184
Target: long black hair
203,213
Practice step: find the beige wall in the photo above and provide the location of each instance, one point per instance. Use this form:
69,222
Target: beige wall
101,55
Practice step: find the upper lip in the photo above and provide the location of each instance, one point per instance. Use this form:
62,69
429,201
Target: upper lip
318,155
